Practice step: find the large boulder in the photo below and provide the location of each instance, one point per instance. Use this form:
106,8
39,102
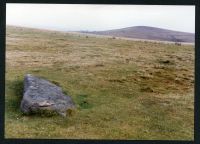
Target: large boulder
41,95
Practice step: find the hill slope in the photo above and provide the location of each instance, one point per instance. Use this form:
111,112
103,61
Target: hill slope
150,33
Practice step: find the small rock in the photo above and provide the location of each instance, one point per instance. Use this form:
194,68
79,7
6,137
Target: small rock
42,95
146,89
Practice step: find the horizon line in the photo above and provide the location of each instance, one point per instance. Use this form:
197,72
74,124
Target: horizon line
54,29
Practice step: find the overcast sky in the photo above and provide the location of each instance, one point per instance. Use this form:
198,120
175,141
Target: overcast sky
73,17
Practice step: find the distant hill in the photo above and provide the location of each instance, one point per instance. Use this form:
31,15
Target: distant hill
150,33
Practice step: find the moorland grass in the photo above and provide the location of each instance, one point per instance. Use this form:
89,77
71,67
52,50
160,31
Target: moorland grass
122,89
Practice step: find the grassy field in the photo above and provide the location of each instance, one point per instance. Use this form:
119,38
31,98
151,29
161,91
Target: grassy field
123,89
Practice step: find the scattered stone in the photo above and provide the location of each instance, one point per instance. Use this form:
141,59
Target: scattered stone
41,95
146,89
99,65
117,80
165,62
144,77
178,43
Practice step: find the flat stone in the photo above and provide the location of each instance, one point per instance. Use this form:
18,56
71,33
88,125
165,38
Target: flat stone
41,95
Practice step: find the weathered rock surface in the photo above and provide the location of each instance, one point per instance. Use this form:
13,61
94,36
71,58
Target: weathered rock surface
42,95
